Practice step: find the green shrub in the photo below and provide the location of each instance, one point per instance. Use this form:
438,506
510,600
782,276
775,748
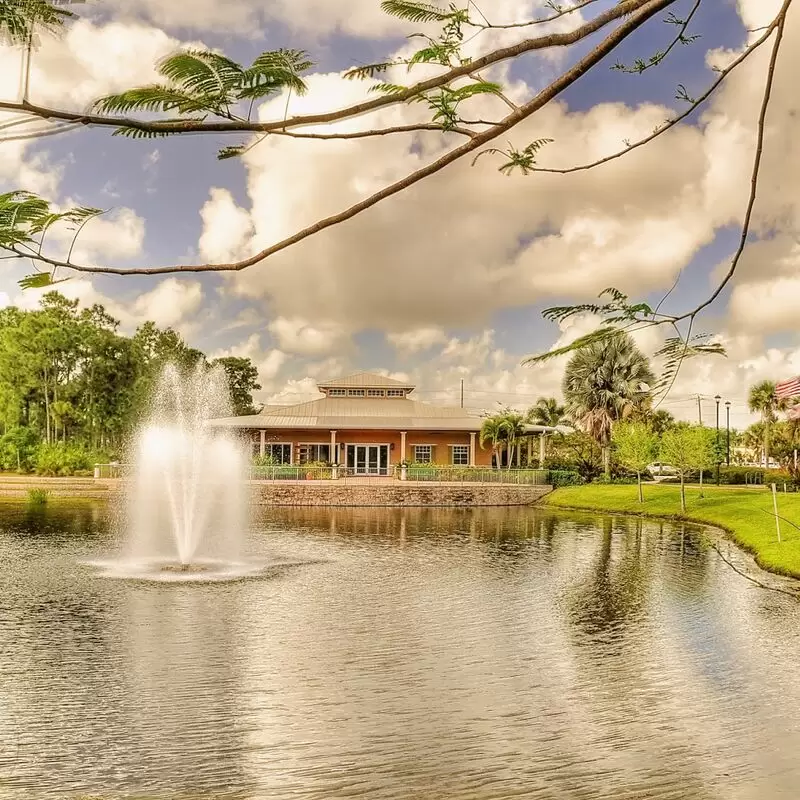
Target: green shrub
564,477
18,450
62,460
616,480
739,476
38,497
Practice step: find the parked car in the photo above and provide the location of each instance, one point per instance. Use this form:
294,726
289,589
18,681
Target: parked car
657,469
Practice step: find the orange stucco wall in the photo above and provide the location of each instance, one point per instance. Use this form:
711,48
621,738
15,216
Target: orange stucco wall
440,441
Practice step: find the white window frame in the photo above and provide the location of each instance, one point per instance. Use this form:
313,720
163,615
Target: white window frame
395,392
356,393
376,393
337,392
453,461
301,445
414,451
269,445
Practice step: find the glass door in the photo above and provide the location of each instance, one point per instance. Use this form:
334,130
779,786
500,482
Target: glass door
368,459
373,464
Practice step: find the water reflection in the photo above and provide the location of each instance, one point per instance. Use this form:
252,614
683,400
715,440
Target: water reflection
428,653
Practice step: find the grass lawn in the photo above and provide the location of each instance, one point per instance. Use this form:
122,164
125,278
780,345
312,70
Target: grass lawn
746,514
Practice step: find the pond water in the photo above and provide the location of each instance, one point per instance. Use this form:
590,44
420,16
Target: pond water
423,654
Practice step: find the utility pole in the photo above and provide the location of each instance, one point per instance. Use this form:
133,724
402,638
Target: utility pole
462,393
699,410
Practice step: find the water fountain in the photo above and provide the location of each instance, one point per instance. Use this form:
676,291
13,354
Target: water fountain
186,503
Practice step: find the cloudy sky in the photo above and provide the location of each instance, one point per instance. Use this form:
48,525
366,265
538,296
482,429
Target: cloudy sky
446,281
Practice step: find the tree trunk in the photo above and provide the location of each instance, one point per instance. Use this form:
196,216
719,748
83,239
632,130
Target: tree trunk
639,482
701,483
683,495
605,449
766,443
46,409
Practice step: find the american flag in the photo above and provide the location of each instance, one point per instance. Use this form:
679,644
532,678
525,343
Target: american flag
787,389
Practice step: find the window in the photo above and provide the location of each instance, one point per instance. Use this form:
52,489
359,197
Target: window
337,393
423,453
355,392
279,453
375,393
461,455
395,392
314,452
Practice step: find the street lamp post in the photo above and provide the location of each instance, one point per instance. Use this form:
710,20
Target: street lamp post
717,398
728,432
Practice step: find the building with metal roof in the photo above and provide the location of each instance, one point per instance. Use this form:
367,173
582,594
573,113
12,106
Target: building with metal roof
367,423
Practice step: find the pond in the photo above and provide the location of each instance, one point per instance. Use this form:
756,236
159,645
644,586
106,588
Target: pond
495,653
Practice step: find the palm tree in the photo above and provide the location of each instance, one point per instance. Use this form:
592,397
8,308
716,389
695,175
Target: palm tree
513,425
493,430
547,411
605,382
763,400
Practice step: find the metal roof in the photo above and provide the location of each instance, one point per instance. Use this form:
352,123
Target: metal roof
333,413
365,380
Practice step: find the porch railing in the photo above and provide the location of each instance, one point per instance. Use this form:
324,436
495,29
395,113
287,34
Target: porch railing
418,472
446,474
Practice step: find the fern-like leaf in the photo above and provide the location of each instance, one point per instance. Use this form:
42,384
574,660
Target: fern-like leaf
232,151
414,11
38,280
132,132
274,71
20,18
601,334
388,88
152,98
368,70
202,73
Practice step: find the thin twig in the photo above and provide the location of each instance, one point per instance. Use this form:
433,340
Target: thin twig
541,21
678,38
65,128
723,74
634,20
751,200
476,76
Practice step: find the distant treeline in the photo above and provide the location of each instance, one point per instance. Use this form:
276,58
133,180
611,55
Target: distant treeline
72,387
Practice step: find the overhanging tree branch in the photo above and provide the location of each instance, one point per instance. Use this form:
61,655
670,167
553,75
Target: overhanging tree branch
644,10
183,126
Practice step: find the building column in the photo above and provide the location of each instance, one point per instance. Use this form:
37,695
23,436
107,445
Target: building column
472,449
334,458
530,451
262,445
402,445
541,450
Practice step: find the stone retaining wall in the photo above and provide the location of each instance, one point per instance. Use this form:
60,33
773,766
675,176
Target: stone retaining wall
311,493
396,494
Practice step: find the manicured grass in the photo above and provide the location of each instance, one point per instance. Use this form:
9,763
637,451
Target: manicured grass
746,514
